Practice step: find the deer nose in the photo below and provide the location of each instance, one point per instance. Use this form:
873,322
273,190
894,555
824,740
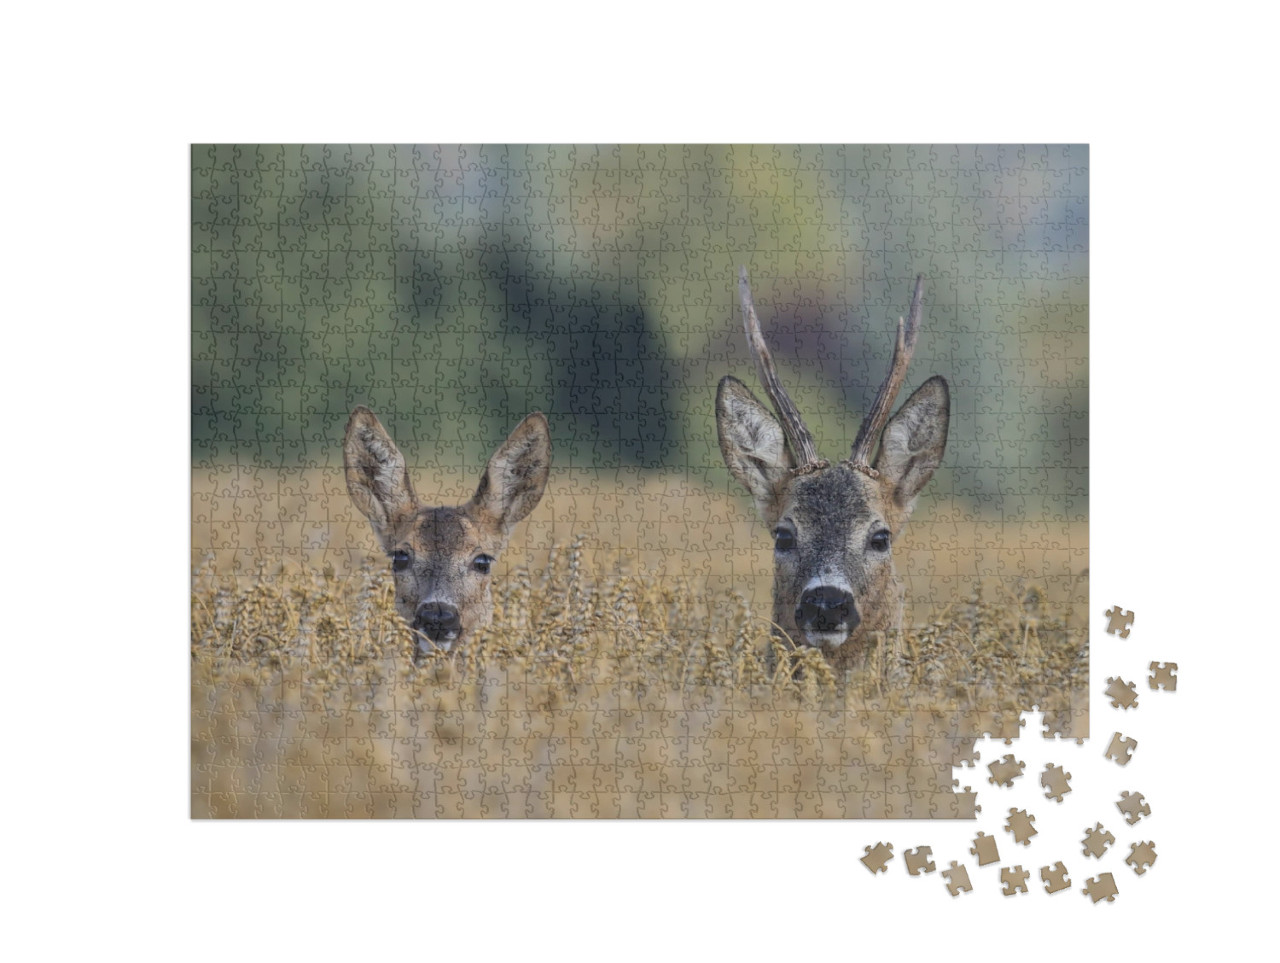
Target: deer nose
437,620
827,608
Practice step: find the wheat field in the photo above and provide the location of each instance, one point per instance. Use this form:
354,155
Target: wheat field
630,671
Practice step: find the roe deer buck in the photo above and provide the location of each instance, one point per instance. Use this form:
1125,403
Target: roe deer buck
833,525
441,556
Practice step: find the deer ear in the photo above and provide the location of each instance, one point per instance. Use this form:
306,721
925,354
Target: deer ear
377,478
913,441
752,443
516,476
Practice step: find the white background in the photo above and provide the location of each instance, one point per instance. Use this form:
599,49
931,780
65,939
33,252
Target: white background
102,103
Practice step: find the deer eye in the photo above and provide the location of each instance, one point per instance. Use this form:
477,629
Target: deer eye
880,540
784,540
399,561
481,563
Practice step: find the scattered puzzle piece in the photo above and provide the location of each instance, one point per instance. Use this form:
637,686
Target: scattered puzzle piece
1003,773
1119,622
1019,823
1054,879
1121,749
877,859
918,861
984,847
1121,693
1141,855
1015,880
1103,886
1163,676
1054,781
957,879
1134,806
1096,841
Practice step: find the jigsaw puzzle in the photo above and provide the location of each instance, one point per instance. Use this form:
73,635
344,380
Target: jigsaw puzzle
574,481
1120,749
1119,622
1055,879
1096,841
918,861
1164,675
1102,886
957,879
985,848
877,859
1019,825
1014,880
1134,806
1055,782
1121,693
1141,856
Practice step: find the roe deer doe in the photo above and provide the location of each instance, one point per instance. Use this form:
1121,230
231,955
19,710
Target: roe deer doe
441,556
833,526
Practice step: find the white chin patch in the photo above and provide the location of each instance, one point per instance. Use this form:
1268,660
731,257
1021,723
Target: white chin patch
427,646
819,639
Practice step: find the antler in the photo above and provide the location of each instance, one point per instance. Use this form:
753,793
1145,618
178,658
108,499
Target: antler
793,427
879,414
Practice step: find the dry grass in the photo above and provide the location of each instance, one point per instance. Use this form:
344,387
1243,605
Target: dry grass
596,692
628,673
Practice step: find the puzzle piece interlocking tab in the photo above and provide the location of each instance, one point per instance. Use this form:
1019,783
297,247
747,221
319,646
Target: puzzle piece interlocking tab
957,879
1019,824
1120,749
1164,675
1119,622
1102,886
1096,841
1055,880
1121,693
918,860
1054,781
1141,856
877,860
984,847
1134,806
1015,880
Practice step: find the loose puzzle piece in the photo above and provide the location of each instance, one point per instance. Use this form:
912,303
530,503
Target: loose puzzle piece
1054,879
1164,676
1141,856
1119,622
1133,806
877,859
918,861
1003,773
1121,749
1096,841
1054,781
957,879
984,847
1121,693
1019,823
1015,880
1101,887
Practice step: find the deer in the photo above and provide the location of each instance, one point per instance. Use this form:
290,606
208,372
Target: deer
833,526
442,557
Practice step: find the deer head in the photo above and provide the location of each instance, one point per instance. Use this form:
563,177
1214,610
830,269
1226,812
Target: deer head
833,526
441,557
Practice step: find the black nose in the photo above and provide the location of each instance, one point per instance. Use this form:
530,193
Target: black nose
437,620
826,608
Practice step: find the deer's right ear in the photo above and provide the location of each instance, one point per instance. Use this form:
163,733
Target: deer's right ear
377,478
516,476
752,443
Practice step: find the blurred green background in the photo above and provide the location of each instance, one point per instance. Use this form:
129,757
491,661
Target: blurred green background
455,289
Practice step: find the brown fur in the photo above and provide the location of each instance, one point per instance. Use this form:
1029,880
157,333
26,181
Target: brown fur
442,549
831,515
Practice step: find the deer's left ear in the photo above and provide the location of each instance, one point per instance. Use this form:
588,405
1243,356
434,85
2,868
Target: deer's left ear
913,441
516,476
